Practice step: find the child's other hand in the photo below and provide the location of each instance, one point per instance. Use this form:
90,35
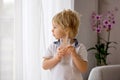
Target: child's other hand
70,50
61,52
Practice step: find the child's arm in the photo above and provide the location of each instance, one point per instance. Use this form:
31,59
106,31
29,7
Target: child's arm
49,63
78,61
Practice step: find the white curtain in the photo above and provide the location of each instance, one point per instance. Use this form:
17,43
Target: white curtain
27,40
6,39
22,45
24,36
31,34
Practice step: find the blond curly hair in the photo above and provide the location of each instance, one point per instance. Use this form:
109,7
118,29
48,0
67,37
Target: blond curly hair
68,19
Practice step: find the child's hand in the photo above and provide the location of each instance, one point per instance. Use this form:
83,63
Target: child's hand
61,52
70,50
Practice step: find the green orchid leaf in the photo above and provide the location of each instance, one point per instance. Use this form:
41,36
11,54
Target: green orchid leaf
97,56
92,48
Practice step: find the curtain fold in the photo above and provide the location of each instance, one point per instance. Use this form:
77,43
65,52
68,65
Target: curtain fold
6,39
27,40
18,56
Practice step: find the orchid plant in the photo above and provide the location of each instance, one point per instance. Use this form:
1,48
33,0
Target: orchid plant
102,23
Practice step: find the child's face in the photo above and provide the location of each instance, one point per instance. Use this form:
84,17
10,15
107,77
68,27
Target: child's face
58,31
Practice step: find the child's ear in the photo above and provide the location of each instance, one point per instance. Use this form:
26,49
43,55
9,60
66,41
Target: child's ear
67,31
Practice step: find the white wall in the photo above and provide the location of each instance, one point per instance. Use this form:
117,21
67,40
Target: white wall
88,37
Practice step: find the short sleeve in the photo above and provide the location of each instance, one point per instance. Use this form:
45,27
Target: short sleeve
83,52
49,52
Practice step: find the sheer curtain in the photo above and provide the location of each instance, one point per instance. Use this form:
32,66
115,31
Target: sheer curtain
6,39
27,40
32,34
